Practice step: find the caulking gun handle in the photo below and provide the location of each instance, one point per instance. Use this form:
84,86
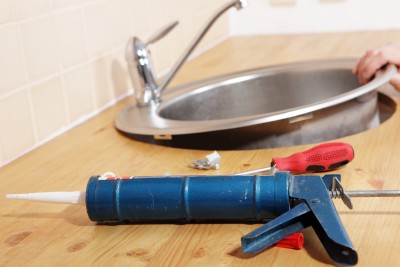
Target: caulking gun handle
314,208
324,157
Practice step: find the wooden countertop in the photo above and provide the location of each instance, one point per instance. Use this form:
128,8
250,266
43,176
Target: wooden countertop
37,234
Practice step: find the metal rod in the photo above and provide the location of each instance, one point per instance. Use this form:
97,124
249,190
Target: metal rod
374,193
267,169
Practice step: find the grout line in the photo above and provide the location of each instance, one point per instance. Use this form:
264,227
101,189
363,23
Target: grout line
97,110
89,63
50,4
26,87
61,72
65,129
65,99
93,59
58,73
52,11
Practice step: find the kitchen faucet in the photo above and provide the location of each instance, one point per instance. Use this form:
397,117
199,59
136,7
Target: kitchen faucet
140,65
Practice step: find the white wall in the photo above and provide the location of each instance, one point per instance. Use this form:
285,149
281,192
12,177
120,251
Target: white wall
308,16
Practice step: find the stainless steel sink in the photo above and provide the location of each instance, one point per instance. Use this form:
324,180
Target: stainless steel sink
283,105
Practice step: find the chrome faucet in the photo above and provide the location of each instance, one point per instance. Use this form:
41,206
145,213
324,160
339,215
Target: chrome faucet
140,65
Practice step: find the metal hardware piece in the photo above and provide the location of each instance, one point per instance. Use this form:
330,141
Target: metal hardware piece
211,161
271,170
337,191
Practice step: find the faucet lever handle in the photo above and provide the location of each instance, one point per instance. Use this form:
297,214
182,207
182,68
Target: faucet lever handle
162,32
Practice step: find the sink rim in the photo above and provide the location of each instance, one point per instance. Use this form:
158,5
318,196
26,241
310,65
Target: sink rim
147,120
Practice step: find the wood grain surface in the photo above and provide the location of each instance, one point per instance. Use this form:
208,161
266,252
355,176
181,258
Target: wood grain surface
37,234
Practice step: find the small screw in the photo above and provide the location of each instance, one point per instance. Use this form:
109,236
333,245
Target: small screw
315,201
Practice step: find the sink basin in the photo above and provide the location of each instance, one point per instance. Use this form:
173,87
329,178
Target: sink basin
291,104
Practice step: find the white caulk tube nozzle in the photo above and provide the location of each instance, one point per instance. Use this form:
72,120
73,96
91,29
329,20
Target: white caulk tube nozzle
75,197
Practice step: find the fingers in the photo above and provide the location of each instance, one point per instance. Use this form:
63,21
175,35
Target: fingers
374,59
361,63
355,68
370,63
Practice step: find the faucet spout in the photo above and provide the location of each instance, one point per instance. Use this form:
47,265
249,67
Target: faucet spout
238,4
140,65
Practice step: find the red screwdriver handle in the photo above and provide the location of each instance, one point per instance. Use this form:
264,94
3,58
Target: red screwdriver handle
324,157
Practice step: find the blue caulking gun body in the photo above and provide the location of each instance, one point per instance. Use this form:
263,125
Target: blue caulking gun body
290,203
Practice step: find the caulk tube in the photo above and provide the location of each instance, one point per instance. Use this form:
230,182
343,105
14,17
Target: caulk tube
187,198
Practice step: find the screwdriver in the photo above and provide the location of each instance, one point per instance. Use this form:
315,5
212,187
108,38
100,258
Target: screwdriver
321,158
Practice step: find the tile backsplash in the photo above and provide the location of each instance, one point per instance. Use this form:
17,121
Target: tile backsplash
62,61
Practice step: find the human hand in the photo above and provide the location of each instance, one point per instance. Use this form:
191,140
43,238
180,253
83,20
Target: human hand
370,64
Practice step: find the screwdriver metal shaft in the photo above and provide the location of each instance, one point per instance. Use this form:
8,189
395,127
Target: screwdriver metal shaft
266,169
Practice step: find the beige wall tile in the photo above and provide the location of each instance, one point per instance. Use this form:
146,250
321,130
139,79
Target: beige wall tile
184,8
98,29
6,11
65,58
49,107
79,91
12,69
120,81
59,4
159,13
1,155
176,42
71,38
102,81
160,18
142,24
192,16
28,8
40,47
161,56
120,14
16,133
